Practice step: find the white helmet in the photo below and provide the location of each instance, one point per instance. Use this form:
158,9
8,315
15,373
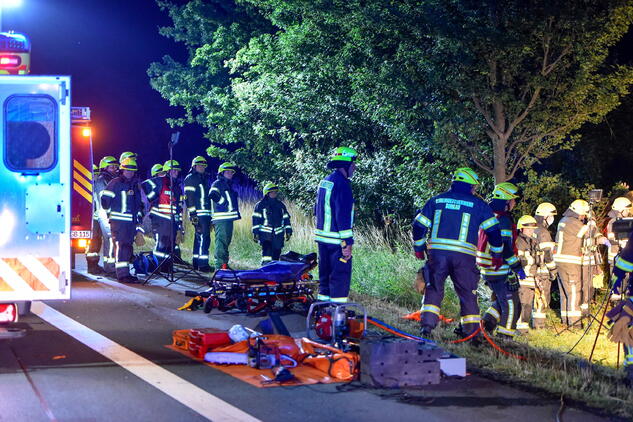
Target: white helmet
580,207
620,204
545,209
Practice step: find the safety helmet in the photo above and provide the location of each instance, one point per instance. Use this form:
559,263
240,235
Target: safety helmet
129,164
95,168
505,191
580,207
108,161
127,154
156,168
527,221
545,209
466,175
227,166
344,154
199,161
620,204
270,187
171,165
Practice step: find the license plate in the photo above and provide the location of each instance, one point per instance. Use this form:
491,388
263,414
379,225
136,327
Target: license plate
80,234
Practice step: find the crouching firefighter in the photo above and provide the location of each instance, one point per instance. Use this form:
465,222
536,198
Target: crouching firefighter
271,223
504,313
334,222
448,228
166,214
621,316
197,185
122,201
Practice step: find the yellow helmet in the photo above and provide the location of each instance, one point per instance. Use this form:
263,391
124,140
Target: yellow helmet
620,204
545,209
527,221
580,207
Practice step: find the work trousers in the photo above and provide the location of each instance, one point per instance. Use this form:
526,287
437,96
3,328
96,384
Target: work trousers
94,248
575,287
223,237
165,239
201,242
541,300
505,311
463,272
108,247
271,248
526,296
335,273
123,233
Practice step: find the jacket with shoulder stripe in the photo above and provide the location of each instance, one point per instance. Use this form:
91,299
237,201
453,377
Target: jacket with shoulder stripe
270,219
197,198
224,203
334,210
546,247
510,260
122,201
571,239
101,182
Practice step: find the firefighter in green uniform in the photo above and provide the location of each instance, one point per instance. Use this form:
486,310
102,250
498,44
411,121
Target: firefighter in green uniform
224,210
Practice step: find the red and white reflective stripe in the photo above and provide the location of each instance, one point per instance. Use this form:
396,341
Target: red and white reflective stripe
29,273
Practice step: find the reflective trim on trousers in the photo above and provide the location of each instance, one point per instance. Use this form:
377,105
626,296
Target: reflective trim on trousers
432,309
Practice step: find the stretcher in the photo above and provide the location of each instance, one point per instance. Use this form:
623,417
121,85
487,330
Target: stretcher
274,286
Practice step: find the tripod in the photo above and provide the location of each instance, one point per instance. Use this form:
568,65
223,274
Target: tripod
172,259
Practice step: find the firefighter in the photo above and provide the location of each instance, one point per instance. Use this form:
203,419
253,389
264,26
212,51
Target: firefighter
122,201
334,221
451,221
197,185
148,186
622,315
271,223
575,261
546,272
621,208
96,238
109,167
528,253
224,210
502,316
127,154
166,213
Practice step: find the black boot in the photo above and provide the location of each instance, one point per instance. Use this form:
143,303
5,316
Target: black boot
95,269
425,331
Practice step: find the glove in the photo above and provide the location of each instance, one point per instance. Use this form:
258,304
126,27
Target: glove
419,284
621,317
179,237
139,239
288,236
420,255
513,283
194,220
497,262
521,274
255,238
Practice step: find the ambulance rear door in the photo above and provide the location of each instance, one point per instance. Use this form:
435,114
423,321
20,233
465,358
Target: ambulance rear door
35,186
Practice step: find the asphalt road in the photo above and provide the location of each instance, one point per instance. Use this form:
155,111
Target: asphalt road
49,375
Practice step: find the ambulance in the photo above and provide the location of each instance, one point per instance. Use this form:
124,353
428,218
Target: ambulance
36,181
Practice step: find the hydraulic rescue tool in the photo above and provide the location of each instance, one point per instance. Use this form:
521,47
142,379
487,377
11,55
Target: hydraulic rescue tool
341,325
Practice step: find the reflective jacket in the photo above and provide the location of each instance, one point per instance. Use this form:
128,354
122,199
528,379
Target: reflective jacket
546,247
270,219
529,257
164,199
572,238
224,204
451,222
121,199
197,187
616,245
334,210
101,182
508,235
624,264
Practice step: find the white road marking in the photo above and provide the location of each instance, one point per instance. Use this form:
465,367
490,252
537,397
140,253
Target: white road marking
195,398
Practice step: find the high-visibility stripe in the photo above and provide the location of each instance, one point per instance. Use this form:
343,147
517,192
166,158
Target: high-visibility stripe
29,273
82,169
78,177
81,191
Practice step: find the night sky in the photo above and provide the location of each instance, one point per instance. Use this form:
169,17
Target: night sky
107,47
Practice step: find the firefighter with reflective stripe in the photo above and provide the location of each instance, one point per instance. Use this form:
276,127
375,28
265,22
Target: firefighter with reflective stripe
271,223
122,201
575,260
622,315
547,272
197,185
148,186
166,213
501,318
96,238
621,208
109,167
448,227
334,212
224,211
530,258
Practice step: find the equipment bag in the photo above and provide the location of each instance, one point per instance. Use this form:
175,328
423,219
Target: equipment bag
145,263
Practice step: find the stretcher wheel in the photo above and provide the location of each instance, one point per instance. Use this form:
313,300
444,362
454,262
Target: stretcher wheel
208,305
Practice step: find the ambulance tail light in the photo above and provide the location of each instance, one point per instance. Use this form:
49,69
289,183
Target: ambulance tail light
8,313
7,61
